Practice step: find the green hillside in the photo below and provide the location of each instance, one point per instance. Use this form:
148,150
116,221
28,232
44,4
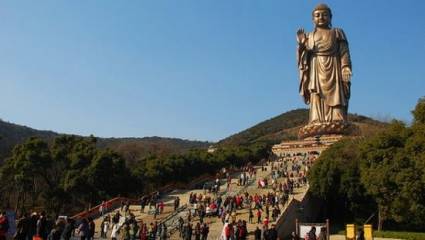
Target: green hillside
286,125
145,164
282,127
131,148
12,134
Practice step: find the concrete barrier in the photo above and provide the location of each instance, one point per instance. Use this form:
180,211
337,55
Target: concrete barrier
306,210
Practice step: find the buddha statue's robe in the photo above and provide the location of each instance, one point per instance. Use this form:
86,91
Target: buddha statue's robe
320,61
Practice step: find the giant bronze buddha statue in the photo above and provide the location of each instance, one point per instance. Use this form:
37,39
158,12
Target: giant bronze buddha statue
325,75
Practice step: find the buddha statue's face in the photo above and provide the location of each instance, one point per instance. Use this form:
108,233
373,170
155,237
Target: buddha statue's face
322,18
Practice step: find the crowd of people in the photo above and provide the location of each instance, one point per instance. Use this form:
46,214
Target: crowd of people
266,233
40,226
120,224
129,229
199,231
286,174
124,226
156,206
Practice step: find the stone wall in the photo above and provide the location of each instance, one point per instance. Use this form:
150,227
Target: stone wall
306,209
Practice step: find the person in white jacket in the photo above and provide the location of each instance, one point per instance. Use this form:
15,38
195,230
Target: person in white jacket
115,231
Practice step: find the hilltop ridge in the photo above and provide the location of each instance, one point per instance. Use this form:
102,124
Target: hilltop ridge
285,126
12,134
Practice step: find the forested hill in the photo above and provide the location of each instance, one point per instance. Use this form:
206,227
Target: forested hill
286,125
12,134
282,127
131,148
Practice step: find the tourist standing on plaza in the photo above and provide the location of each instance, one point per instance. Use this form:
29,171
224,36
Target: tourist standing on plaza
241,230
258,216
142,204
251,215
322,234
198,231
257,233
161,206
156,212
125,232
272,233
188,232
56,232
104,228
116,218
101,209
266,221
181,226
204,231
92,227
164,234
32,231
68,230
176,203
134,228
143,232
202,214
229,232
83,229
360,235
153,228
311,234
42,226
114,232
22,228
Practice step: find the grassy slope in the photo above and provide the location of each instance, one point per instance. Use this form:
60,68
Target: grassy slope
285,127
394,235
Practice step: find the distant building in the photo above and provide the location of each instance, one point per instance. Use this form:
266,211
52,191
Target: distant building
211,149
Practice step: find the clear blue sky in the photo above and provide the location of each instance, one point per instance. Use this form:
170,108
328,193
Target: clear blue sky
192,69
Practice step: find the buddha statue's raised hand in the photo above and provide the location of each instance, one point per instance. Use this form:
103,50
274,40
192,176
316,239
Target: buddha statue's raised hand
301,37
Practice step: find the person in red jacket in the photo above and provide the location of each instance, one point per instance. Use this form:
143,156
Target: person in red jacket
4,225
161,207
258,216
228,232
266,221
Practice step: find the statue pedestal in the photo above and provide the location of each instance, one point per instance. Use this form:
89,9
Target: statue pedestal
316,137
310,145
327,128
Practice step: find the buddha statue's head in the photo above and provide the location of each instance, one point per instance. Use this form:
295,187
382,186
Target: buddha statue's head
322,16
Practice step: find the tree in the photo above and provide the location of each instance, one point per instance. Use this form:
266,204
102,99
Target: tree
335,178
379,168
387,168
65,175
419,111
107,175
26,167
392,172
